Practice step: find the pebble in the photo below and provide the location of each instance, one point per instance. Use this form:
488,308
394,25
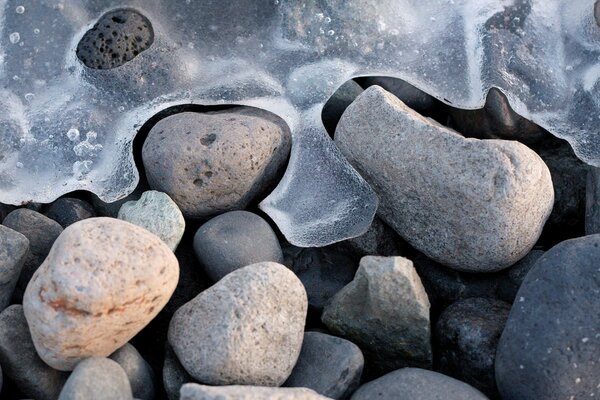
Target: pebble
234,240
215,161
247,329
550,347
378,240
416,384
466,335
66,211
138,371
173,374
430,179
194,391
20,361
392,328
99,379
156,212
102,282
337,104
41,232
329,365
14,248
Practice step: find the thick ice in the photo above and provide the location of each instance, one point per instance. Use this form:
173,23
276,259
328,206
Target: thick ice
64,126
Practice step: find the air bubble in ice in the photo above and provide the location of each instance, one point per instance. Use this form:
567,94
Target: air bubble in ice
20,9
14,37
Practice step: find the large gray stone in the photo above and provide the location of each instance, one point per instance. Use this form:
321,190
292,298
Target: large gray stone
14,248
139,372
99,379
550,348
233,240
247,329
385,311
416,384
20,361
329,365
194,391
430,180
215,161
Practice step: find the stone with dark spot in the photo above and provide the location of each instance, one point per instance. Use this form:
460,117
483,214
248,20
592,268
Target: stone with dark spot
14,248
66,211
118,37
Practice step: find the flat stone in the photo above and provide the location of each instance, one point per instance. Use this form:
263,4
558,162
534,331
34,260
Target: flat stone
416,384
194,391
215,161
392,327
156,212
430,179
247,329
99,379
173,374
20,361
67,210
550,347
102,282
138,371
329,365
234,240
14,248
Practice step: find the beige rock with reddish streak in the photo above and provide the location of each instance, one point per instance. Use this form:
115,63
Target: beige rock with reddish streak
103,281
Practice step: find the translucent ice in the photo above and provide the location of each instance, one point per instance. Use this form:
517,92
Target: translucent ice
65,126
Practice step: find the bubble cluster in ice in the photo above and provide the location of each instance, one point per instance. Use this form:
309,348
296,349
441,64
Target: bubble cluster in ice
65,126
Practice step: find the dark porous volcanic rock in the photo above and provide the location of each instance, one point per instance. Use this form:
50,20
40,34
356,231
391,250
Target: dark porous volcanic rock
14,248
66,211
550,348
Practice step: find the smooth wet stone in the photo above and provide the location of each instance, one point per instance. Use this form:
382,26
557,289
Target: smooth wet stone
41,232
550,348
173,374
103,281
14,248
218,161
99,379
194,391
329,365
466,336
233,240
378,240
138,371
411,96
337,104
416,384
430,179
66,211
20,361
247,329
392,327
156,212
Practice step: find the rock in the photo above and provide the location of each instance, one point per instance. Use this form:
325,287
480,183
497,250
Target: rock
512,278
337,104
329,365
99,379
117,38
14,248
102,282
550,347
592,203
430,179
411,96
379,240
247,329
156,212
215,161
138,371
467,335
324,271
20,361
417,384
194,391
233,240
174,375
66,211
41,232
5,209
392,327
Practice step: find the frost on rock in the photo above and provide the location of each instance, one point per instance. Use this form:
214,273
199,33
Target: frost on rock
66,125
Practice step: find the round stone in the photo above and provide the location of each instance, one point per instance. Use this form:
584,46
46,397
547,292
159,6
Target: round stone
99,379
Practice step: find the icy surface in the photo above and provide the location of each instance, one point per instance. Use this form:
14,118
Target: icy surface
64,126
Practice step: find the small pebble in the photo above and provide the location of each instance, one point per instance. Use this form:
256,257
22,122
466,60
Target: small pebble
66,211
139,372
97,378
173,374
14,248
194,391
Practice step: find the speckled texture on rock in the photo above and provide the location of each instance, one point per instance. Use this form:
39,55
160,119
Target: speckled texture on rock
156,212
550,348
247,329
233,240
102,282
417,384
218,161
430,179
97,378
66,211
194,391
14,248
392,327
139,373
